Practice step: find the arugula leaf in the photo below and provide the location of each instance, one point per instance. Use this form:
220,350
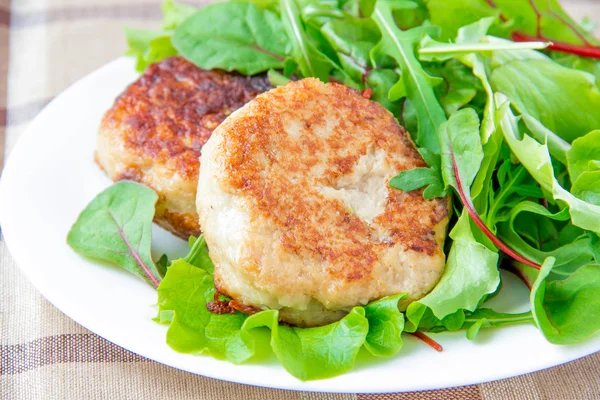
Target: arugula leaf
310,60
386,324
352,40
416,178
432,50
488,318
116,226
314,353
567,310
253,44
471,273
414,82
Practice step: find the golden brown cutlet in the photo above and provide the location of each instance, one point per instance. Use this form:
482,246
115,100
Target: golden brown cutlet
156,128
294,200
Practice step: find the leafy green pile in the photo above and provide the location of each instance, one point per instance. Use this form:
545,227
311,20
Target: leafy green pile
504,109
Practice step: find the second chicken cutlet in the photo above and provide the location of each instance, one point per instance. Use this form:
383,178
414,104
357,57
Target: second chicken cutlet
155,130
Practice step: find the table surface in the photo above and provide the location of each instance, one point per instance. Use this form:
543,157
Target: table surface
45,45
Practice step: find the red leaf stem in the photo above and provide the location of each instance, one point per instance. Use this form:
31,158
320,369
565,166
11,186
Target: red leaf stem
427,340
513,270
584,51
468,204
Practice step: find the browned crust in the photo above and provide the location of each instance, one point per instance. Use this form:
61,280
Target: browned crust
311,224
164,118
182,225
168,114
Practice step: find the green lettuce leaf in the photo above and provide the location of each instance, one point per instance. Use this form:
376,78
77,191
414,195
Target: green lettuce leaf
148,46
175,13
584,155
471,273
151,46
386,324
254,44
567,310
535,157
314,353
564,100
488,318
185,291
116,226
307,353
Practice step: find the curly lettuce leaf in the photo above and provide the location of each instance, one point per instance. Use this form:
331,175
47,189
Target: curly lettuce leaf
386,324
307,353
175,13
185,291
314,353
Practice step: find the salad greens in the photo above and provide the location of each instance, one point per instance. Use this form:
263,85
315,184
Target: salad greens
502,99
117,227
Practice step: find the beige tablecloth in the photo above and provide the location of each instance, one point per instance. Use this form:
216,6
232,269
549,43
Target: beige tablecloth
45,45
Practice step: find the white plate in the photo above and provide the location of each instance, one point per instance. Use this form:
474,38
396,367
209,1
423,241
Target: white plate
50,177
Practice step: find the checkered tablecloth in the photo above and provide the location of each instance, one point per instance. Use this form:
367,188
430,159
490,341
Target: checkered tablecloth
45,45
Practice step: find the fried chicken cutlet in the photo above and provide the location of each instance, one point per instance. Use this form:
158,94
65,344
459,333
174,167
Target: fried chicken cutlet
156,128
294,202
